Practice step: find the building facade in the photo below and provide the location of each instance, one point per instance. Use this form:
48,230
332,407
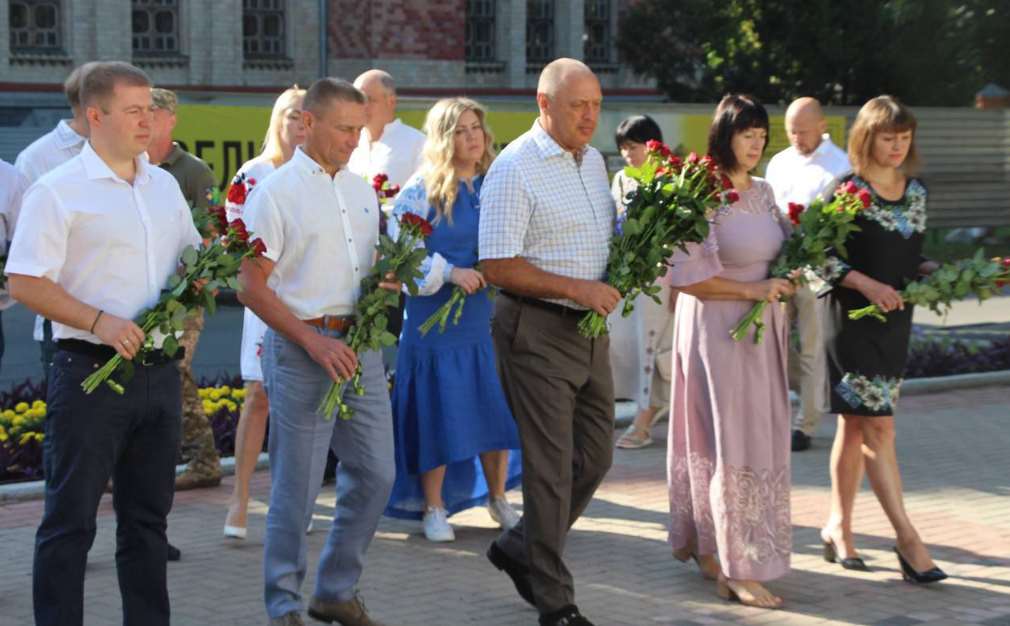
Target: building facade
430,46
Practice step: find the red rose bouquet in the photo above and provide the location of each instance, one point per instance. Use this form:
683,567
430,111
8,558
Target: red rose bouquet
819,229
384,192
200,274
401,258
672,206
976,276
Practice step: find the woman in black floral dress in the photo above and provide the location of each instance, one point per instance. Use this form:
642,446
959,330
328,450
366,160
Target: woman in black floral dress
866,358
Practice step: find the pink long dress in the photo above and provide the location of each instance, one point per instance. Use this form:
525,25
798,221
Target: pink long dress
728,449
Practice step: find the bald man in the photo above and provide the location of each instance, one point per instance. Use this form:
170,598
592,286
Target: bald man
546,219
387,145
808,168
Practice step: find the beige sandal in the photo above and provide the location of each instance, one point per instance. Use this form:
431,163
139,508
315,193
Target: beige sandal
632,439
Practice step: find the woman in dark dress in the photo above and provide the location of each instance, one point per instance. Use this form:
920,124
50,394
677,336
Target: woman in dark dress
866,358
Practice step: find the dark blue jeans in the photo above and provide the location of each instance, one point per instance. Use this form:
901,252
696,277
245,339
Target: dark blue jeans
47,348
132,438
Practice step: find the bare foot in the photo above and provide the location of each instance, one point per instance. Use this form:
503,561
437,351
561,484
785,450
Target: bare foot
915,552
844,544
747,592
708,564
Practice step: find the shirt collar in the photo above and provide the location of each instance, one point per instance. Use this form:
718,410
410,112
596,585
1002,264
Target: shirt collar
550,148
824,146
387,132
174,155
96,168
67,136
308,164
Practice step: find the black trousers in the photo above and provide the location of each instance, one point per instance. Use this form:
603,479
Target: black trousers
131,438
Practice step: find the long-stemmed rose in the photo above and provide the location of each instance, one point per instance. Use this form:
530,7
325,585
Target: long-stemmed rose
384,192
672,206
456,300
821,228
400,259
200,274
976,276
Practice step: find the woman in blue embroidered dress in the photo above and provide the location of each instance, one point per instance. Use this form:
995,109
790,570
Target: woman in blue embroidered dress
866,358
453,427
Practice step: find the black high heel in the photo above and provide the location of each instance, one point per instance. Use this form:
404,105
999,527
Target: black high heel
909,574
854,563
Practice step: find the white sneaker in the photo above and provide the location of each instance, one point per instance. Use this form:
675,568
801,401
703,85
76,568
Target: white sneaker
502,513
436,525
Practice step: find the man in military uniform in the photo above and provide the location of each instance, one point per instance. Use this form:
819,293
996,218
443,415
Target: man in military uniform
196,182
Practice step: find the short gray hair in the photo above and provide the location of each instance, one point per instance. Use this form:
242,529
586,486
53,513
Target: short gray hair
325,90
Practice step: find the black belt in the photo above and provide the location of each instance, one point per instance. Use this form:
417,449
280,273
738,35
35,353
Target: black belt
103,352
553,307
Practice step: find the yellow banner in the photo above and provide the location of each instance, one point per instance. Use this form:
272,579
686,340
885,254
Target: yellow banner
228,136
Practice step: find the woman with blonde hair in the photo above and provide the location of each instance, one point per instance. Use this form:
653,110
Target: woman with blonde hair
453,428
284,134
865,357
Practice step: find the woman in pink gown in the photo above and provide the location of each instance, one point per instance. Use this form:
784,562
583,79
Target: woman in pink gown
728,454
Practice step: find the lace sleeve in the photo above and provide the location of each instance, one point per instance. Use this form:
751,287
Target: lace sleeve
413,198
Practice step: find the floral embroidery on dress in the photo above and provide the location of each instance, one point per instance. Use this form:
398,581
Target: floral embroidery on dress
907,218
690,504
832,269
756,509
876,394
753,509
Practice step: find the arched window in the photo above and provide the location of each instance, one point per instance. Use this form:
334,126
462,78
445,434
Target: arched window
155,27
480,31
35,26
539,32
263,29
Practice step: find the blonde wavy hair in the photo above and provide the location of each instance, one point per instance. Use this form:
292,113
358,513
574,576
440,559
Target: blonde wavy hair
440,179
272,142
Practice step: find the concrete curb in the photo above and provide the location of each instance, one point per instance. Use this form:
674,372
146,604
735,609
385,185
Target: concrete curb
624,414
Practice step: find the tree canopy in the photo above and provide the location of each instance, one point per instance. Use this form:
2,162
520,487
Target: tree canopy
927,52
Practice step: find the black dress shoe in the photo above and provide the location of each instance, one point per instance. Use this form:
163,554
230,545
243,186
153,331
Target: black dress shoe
801,441
853,562
932,575
174,554
519,573
567,616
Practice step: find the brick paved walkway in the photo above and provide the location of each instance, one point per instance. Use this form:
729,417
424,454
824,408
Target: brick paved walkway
954,454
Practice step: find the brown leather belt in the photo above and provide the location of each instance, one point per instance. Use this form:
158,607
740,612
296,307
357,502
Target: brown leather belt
341,324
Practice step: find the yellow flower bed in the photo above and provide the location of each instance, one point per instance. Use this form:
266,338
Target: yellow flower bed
25,422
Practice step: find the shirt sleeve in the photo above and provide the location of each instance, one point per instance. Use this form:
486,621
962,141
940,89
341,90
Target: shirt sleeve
698,263
262,218
40,242
506,209
203,184
12,206
190,236
436,269
23,163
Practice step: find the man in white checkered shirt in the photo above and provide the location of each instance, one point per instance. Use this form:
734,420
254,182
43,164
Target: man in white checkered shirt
546,220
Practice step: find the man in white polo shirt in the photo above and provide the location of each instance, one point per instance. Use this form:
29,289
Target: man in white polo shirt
320,224
810,167
44,155
387,145
12,189
96,242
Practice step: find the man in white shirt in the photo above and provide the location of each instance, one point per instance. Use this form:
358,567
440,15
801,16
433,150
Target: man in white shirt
810,167
12,188
44,155
97,240
320,224
387,145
